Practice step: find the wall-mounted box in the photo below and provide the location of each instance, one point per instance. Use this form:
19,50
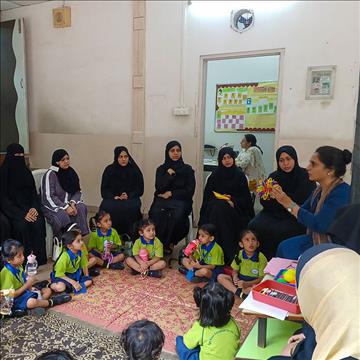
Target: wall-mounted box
62,17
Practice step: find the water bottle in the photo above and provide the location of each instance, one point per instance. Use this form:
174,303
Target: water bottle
31,265
6,302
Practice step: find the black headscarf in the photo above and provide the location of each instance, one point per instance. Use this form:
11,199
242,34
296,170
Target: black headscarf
289,181
121,178
223,172
175,165
68,178
17,181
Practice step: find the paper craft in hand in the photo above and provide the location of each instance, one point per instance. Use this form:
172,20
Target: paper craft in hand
265,188
221,196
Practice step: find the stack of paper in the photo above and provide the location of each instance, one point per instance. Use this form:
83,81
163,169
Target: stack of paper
251,304
276,264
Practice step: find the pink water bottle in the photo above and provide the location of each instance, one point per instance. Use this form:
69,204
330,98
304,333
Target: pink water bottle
144,255
192,247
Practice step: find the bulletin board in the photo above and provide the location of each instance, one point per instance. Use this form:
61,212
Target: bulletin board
246,107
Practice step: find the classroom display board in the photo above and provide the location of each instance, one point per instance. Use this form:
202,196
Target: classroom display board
246,107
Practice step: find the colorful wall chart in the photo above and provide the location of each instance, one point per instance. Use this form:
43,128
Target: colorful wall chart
246,107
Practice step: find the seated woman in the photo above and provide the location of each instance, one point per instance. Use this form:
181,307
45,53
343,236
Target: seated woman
274,223
20,203
250,159
61,195
327,166
172,204
331,330
229,216
122,185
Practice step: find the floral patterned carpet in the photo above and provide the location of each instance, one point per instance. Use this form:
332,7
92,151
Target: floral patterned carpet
29,336
118,298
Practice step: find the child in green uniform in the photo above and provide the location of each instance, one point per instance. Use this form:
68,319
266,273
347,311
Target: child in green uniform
104,244
208,262
12,276
70,271
150,262
215,335
248,266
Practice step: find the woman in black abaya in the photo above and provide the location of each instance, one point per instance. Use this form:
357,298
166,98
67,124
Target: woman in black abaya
229,217
20,203
174,189
274,223
122,185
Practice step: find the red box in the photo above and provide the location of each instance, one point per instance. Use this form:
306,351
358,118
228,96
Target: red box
282,304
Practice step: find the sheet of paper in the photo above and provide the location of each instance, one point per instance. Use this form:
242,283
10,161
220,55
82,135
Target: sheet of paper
250,304
276,264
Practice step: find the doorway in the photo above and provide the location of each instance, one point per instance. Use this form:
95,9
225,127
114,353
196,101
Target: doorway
234,100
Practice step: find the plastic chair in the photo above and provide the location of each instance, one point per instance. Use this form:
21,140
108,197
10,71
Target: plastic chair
38,174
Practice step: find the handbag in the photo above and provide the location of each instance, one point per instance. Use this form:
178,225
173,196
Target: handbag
57,247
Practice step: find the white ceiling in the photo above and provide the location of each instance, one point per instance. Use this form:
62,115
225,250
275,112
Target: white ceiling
12,4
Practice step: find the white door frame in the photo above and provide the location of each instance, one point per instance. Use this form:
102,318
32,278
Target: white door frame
200,110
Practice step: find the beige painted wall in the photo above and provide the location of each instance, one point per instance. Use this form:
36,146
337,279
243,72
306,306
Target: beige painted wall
79,78
79,85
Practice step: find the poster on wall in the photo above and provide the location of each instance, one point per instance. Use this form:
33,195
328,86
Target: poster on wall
246,107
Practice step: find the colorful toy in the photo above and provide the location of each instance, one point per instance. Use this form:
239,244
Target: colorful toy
191,247
221,196
286,276
290,276
265,188
107,255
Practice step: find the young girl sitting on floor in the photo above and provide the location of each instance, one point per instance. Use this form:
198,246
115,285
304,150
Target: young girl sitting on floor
148,262
70,272
215,335
248,266
108,256
209,262
12,276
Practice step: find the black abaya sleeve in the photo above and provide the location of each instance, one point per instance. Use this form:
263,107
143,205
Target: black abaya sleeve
106,192
208,195
163,180
242,198
188,191
137,187
11,210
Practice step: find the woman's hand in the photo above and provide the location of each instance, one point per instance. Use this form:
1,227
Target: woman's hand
165,195
70,211
281,197
123,196
296,338
33,213
73,206
170,171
